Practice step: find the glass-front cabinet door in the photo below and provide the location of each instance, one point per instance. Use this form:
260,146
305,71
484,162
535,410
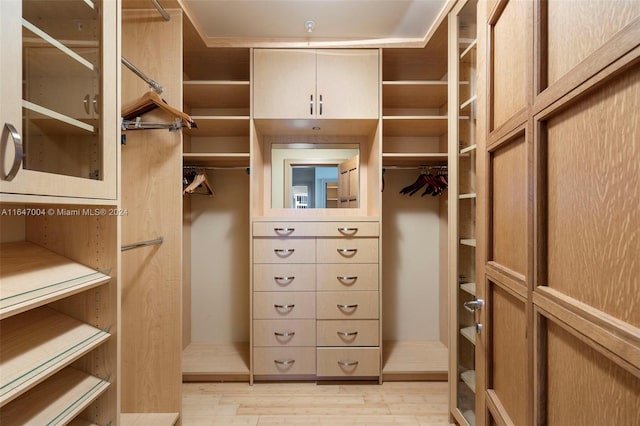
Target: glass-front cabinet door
59,91
462,145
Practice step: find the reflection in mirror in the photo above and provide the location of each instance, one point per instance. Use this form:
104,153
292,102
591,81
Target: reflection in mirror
307,176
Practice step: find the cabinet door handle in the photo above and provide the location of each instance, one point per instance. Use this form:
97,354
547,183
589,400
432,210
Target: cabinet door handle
320,105
285,333
95,101
347,252
85,103
18,152
287,308
284,252
284,231
283,280
347,333
474,305
342,307
347,363
311,104
347,231
347,280
285,362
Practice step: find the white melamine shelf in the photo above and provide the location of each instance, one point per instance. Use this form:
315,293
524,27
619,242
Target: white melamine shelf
212,159
471,242
469,288
468,149
469,48
467,103
37,344
414,125
33,276
469,377
216,93
56,401
469,333
414,158
467,196
214,125
414,93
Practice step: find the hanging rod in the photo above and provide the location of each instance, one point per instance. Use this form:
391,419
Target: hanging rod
414,167
163,12
138,124
157,241
245,168
154,85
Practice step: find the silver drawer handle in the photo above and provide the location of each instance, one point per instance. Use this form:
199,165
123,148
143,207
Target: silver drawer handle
348,363
347,252
347,231
284,362
347,306
284,252
284,333
284,280
283,231
347,280
347,333
284,307
18,154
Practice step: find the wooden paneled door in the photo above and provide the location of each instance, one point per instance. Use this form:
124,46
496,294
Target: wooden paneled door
558,216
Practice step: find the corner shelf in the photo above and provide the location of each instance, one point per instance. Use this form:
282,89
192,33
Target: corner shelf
56,401
33,276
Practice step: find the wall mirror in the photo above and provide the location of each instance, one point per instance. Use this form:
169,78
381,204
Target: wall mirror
312,176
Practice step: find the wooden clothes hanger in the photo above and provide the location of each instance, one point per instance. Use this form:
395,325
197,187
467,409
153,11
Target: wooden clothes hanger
200,179
150,101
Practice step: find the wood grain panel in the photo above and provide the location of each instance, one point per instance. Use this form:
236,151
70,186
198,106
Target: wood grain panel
576,29
510,61
509,347
509,205
593,191
584,387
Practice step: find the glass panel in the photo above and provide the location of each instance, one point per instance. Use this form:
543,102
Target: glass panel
61,54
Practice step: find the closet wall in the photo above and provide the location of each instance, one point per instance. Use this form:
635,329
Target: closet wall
151,187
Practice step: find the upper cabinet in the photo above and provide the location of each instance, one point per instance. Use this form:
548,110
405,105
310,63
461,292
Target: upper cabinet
310,84
58,107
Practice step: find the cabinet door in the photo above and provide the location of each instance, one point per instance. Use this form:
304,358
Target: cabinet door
347,83
62,57
284,83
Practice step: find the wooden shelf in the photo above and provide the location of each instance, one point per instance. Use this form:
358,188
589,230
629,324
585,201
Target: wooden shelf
216,126
148,419
56,401
469,377
53,122
414,159
466,105
471,242
469,333
205,362
468,149
470,417
82,422
414,94
414,360
467,196
435,125
37,344
33,276
223,159
216,93
468,49
469,288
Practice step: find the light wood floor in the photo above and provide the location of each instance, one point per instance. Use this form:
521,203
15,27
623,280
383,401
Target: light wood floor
405,403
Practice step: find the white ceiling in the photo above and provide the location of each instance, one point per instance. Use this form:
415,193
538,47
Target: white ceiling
255,22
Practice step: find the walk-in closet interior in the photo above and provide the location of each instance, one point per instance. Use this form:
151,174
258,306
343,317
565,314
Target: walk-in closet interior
460,207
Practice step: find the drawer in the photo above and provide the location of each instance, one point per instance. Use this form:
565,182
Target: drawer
348,229
284,250
347,276
284,305
348,362
347,250
347,305
348,333
284,277
287,360
316,229
284,229
284,332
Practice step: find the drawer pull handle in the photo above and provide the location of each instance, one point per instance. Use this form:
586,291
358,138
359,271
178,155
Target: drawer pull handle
347,280
347,363
284,333
284,307
284,362
347,252
284,231
348,231
284,280
284,252
18,154
342,307
347,333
